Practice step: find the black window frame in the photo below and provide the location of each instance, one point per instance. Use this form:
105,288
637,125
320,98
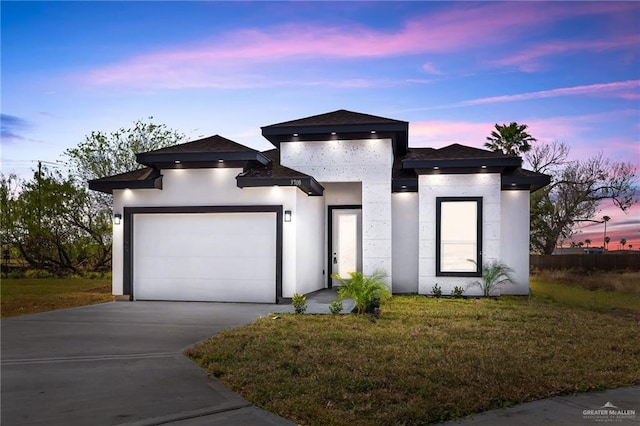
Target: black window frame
478,271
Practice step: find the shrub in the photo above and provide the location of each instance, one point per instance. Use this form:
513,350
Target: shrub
457,292
299,302
366,292
494,275
16,274
335,307
37,273
436,291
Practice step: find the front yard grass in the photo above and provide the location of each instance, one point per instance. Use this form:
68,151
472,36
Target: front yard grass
425,360
29,296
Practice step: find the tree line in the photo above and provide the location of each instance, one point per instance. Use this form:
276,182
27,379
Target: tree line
53,222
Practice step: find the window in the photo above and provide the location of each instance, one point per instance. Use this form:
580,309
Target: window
458,236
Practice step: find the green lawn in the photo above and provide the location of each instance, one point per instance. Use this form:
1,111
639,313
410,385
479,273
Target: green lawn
427,360
28,296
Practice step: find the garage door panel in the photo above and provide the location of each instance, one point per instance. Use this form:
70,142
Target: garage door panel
217,290
205,257
178,268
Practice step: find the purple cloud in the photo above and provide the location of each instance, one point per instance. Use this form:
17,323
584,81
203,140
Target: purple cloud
11,128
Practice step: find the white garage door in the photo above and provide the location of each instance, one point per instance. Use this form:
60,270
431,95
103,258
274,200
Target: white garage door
222,257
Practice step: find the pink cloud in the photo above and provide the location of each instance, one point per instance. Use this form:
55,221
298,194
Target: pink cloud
615,89
622,225
528,60
240,58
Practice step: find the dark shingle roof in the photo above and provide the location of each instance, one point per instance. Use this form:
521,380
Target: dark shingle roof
340,124
340,117
214,143
457,156
524,179
147,177
213,151
276,174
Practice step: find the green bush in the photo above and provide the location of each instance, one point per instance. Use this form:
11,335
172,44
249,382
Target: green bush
335,307
16,274
436,291
457,292
299,302
366,292
494,275
37,273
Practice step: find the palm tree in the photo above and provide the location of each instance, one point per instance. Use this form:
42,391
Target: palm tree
605,219
587,242
511,140
623,242
606,243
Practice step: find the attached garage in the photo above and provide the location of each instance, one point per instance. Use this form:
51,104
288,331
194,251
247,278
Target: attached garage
213,254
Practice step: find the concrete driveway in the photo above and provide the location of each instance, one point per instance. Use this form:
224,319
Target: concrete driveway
121,363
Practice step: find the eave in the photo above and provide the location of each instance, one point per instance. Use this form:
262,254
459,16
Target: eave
531,182
107,185
195,160
307,184
440,165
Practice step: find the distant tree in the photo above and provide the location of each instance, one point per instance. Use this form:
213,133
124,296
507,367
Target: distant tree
104,154
630,246
605,219
587,242
575,191
50,220
606,242
623,242
511,139
54,221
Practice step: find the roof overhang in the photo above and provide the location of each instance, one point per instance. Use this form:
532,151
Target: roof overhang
511,182
465,164
194,160
407,184
397,132
306,184
152,181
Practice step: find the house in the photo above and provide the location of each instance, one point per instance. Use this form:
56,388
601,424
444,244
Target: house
213,220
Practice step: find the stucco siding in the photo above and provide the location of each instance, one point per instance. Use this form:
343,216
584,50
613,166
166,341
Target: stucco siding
405,242
208,187
515,239
309,221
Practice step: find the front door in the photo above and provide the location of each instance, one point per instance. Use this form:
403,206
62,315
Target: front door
346,242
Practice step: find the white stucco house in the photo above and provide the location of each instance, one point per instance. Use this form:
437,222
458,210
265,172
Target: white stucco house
213,220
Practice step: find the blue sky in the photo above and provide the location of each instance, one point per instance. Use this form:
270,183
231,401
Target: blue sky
570,70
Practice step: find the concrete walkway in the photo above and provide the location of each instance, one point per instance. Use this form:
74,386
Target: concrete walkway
617,407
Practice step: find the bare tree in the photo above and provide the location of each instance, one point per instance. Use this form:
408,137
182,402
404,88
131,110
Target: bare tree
576,189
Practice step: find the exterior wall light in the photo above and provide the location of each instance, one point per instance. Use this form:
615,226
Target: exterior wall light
287,215
117,218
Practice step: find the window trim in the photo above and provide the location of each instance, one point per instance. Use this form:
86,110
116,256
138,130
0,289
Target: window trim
478,271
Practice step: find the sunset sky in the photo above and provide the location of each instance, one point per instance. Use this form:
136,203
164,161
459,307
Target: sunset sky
570,70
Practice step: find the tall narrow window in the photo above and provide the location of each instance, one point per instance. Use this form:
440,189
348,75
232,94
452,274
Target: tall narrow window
458,236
